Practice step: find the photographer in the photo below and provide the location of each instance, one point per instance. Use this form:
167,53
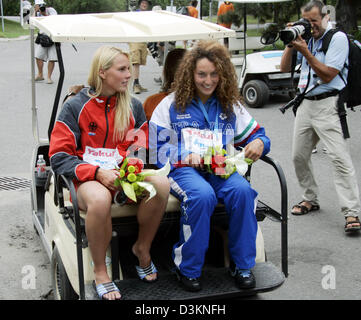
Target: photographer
317,117
139,52
26,9
43,53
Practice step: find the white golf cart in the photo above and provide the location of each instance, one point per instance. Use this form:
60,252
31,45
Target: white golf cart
59,222
258,73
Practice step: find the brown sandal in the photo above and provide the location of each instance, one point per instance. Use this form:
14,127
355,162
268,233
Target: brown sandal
304,209
352,228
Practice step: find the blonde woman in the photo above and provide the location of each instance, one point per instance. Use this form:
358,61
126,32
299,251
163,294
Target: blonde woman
94,132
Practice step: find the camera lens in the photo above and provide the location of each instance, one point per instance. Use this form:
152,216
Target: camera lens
292,33
287,36
42,8
301,27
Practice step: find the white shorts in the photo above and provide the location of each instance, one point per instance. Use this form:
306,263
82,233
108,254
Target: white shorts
45,54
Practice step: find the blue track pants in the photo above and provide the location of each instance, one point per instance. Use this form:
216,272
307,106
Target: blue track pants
199,194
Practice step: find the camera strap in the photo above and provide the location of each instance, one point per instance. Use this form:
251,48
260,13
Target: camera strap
308,81
309,70
310,47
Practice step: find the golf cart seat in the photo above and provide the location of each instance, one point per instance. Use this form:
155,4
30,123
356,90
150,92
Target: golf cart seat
61,191
237,43
236,49
117,211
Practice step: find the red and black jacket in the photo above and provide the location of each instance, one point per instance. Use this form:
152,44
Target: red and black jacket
87,121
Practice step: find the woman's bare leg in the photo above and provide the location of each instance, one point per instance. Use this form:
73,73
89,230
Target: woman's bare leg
149,217
96,200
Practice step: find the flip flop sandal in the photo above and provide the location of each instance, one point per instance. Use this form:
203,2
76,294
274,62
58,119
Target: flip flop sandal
104,288
143,272
354,228
304,209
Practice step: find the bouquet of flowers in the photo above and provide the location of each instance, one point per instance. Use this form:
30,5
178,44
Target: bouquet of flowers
217,162
131,179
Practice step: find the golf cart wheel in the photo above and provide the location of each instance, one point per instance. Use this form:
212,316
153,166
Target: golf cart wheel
62,287
255,93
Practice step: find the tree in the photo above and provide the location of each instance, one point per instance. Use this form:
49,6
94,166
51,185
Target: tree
346,14
11,8
87,6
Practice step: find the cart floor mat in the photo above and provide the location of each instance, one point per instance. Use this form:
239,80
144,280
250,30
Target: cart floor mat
216,283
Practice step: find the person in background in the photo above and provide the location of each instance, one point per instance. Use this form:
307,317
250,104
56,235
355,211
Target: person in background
192,9
171,64
317,117
222,10
192,12
139,53
43,54
26,6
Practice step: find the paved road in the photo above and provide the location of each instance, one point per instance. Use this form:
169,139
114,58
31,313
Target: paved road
318,245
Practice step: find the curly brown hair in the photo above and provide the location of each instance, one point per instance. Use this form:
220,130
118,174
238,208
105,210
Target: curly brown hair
227,90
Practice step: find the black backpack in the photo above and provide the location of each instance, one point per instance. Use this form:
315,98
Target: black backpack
351,94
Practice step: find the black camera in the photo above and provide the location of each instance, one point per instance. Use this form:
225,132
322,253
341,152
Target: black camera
302,27
294,103
271,32
42,8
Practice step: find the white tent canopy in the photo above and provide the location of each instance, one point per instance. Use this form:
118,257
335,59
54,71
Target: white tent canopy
147,26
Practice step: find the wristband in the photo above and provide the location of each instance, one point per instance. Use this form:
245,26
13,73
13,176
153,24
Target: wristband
96,171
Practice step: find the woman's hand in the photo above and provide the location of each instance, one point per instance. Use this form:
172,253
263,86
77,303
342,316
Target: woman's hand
254,149
195,161
107,178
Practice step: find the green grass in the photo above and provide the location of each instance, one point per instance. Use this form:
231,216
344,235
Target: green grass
12,29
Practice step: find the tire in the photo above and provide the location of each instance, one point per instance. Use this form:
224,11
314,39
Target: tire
255,93
62,287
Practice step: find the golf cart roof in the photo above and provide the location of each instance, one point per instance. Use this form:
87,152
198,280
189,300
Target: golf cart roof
147,26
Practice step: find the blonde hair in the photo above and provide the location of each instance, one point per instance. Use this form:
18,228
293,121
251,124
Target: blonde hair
103,60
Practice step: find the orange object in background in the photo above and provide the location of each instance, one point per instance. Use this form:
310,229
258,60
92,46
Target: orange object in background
223,9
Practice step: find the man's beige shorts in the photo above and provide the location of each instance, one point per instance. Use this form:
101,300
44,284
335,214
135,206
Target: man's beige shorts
45,54
138,53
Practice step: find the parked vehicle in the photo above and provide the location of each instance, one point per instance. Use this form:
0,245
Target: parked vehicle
259,74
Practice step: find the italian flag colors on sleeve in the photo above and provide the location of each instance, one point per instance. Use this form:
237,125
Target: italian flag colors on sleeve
246,126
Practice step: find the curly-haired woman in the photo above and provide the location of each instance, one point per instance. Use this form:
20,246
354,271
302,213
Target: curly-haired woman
205,110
